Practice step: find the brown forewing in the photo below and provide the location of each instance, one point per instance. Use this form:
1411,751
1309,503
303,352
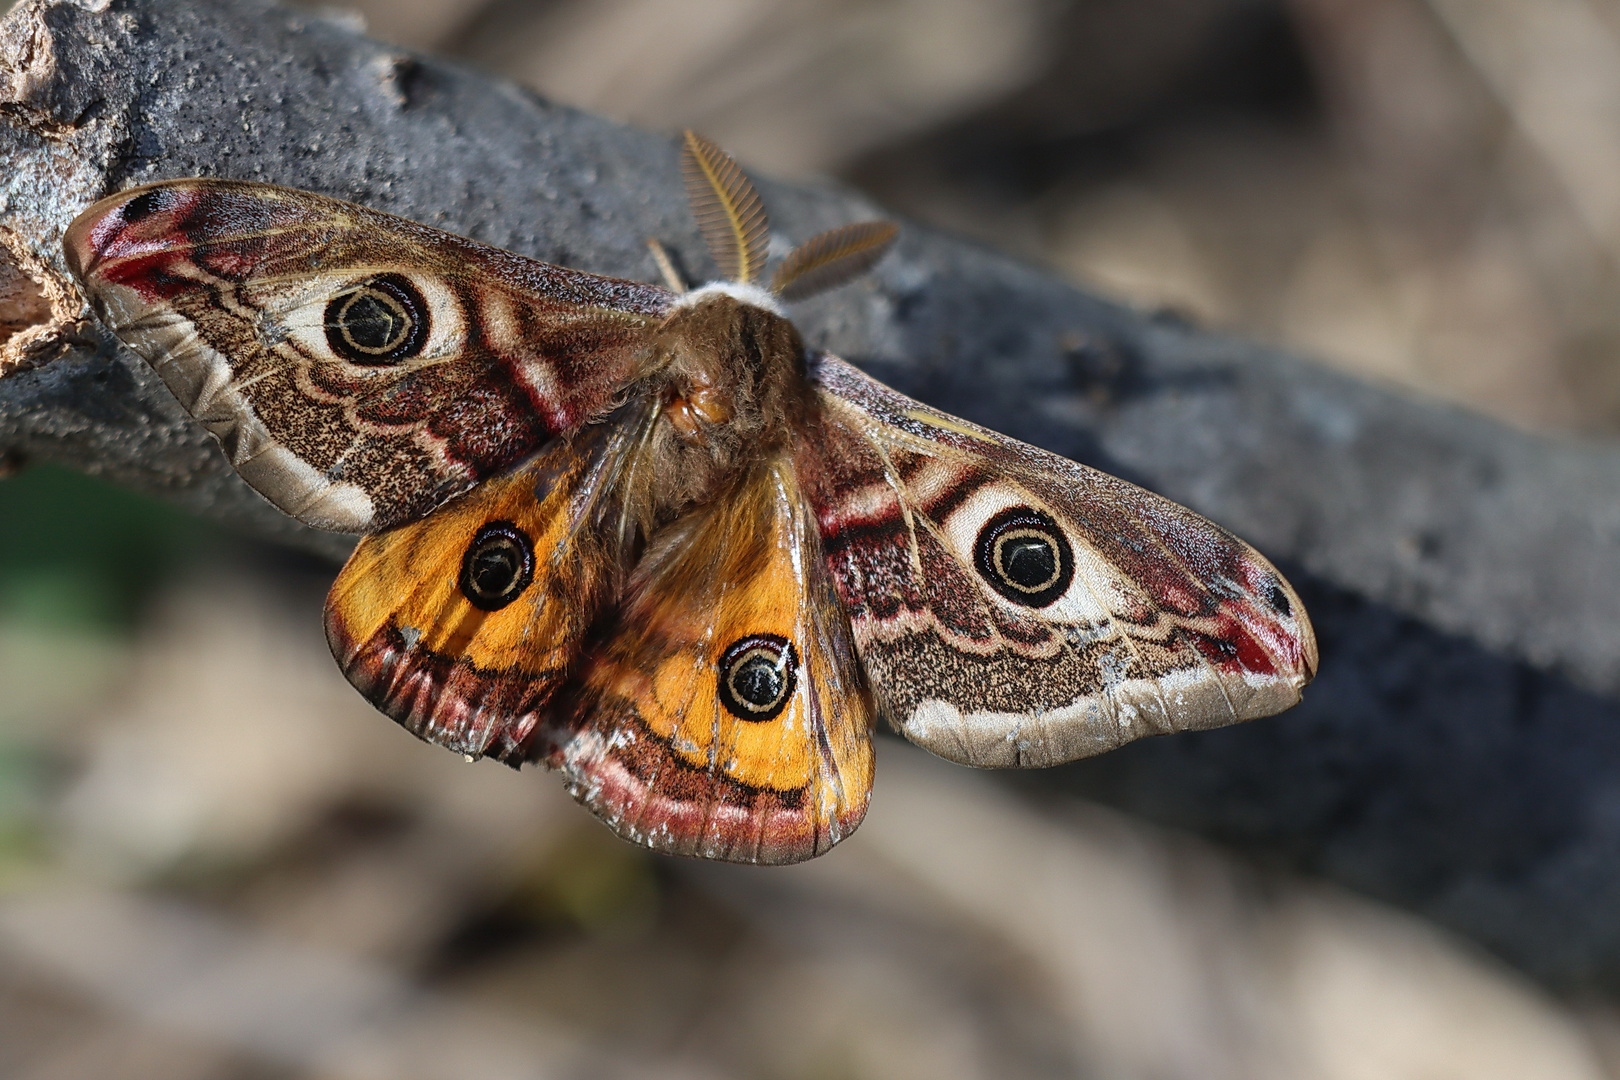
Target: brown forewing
222,286
1169,622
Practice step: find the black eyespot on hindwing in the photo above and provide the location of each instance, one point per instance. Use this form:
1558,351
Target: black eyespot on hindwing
498,566
1023,555
379,321
757,676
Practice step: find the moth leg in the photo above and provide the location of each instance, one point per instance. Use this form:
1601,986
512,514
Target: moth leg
666,265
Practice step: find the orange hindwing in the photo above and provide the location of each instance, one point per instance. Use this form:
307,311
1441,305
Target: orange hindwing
726,715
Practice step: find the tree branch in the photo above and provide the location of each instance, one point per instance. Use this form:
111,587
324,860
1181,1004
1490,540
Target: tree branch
1460,753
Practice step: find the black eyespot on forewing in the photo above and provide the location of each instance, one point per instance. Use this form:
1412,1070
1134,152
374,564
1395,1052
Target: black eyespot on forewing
757,676
379,321
1023,554
497,567
143,206
1279,600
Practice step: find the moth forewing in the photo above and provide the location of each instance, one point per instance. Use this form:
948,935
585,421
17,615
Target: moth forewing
1012,608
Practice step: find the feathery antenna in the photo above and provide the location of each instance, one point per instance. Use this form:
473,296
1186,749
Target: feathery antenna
832,258
728,209
666,265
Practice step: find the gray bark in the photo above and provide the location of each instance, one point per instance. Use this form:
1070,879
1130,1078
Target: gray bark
1460,753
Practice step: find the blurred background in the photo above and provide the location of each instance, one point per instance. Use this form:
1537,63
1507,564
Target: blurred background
217,861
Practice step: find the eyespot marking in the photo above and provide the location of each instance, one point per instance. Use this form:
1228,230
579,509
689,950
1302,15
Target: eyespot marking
142,206
1279,600
1023,555
497,567
379,321
757,676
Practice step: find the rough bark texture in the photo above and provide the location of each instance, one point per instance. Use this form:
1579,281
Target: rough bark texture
1460,753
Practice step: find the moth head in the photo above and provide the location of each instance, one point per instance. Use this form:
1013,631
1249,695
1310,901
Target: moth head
734,225
725,349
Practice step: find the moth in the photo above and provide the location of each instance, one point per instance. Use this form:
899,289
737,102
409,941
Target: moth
644,537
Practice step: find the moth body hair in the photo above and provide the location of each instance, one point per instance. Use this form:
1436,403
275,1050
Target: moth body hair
727,376
743,291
